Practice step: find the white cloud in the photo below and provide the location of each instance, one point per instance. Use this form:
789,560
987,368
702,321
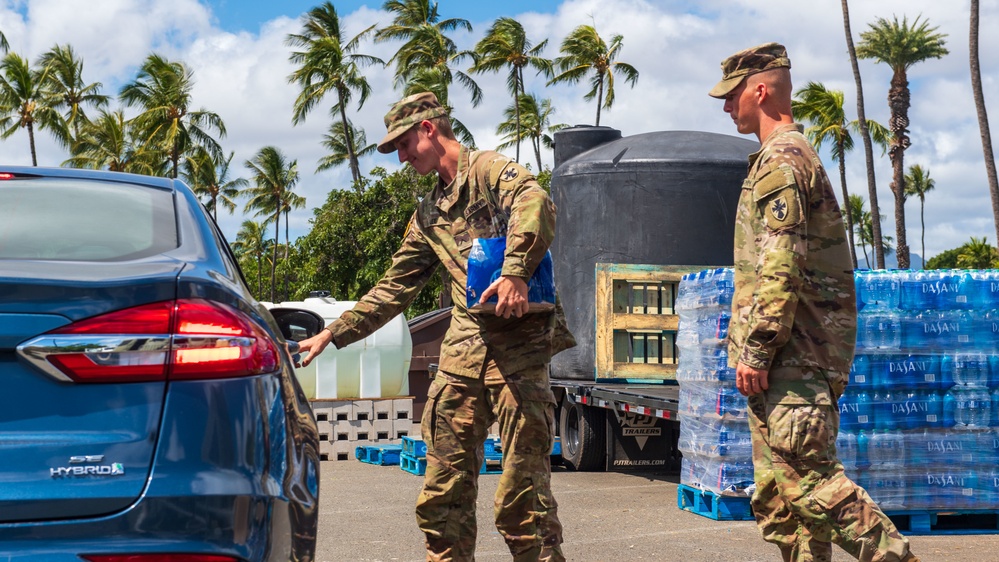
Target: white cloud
676,45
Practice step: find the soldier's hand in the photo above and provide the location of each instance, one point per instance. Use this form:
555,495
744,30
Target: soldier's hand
511,296
750,380
314,346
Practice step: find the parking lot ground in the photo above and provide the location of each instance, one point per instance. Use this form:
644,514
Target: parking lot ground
366,515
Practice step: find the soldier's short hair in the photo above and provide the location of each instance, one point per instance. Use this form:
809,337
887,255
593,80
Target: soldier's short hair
747,62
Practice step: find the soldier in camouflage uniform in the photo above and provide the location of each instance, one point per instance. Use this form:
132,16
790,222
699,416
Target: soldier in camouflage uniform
493,366
793,328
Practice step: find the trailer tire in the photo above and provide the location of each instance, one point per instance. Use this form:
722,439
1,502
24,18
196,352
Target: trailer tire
583,431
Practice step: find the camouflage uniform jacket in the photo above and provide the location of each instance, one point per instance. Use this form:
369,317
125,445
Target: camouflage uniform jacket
441,231
795,301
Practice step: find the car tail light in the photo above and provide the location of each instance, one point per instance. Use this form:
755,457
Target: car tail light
172,340
158,558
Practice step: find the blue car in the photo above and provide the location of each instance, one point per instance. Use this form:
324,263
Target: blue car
148,405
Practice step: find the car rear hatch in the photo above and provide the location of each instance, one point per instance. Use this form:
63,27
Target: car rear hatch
80,401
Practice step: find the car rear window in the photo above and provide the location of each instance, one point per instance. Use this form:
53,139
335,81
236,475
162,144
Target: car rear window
84,220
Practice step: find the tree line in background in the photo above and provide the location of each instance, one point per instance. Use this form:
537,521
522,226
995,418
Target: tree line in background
356,230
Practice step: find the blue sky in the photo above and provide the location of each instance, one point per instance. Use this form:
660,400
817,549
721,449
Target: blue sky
236,50
248,15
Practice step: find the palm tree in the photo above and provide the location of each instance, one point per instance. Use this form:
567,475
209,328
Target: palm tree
427,47
108,143
329,62
273,175
855,212
288,202
823,108
251,242
983,117
864,223
162,89
336,141
209,177
872,184
918,183
22,100
4,45
506,45
584,51
977,254
67,89
900,46
535,120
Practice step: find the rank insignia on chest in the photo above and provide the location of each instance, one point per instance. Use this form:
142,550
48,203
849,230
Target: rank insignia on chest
778,208
509,174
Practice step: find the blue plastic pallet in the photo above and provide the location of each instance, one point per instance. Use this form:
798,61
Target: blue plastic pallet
379,454
713,506
414,447
941,522
492,464
413,465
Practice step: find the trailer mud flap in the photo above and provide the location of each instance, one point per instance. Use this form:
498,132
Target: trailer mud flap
637,442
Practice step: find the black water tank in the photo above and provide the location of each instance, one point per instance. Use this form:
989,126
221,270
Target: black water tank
665,198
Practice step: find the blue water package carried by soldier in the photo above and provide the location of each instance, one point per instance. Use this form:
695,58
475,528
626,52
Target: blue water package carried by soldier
485,265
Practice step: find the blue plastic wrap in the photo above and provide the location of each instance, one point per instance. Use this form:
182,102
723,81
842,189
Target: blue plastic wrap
485,265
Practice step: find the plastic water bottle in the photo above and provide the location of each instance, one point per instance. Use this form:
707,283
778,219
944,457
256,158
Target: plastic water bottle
988,330
855,410
912,371
880,288
986,289
934,409
972,407
955,290
860,372
863,449
909,408
846,449
917,291
884,417
936,330
887,487
971,369
879,329
951,486
886,449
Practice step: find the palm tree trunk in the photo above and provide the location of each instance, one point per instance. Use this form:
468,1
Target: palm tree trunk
286,244
872,186
277,236
898,105
31,142
536,142
355,168
516,105
983,117
922,231
600,99
846,203
260,267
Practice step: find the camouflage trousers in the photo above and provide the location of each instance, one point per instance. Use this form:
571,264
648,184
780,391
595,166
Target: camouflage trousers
456,421
804,501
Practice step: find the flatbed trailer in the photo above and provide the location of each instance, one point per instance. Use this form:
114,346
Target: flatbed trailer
618,426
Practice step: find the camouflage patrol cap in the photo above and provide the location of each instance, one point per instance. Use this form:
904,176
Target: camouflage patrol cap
750,61
407,112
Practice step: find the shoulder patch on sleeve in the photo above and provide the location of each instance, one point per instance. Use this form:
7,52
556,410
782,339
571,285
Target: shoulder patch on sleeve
777,197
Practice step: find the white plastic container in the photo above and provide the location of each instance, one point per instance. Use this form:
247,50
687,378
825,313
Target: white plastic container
375,367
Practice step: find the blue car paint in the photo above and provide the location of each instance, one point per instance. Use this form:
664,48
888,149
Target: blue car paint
233,463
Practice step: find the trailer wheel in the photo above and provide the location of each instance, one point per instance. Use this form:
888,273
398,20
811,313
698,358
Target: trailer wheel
583,431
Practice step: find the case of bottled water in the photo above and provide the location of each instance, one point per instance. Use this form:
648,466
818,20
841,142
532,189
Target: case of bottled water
922,404
714,432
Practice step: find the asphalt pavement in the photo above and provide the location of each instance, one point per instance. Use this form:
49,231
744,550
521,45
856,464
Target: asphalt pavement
366,515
